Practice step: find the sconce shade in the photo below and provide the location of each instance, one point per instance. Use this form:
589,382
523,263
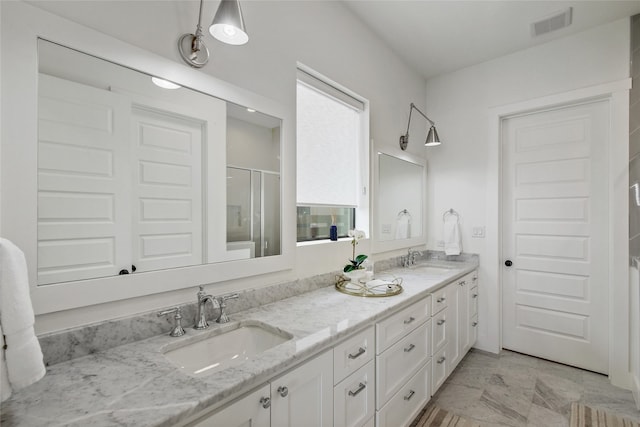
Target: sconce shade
228,23
432,137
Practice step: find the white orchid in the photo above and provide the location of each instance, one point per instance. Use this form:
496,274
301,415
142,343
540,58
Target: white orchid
356,261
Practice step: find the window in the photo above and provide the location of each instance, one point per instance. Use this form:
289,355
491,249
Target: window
332,158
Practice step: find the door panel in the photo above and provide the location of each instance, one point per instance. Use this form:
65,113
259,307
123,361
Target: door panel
555,296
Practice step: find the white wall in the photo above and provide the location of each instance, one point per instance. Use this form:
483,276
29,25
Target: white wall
460,103
322,35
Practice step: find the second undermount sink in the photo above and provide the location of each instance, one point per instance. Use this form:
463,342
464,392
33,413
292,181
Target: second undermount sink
228,346
431,270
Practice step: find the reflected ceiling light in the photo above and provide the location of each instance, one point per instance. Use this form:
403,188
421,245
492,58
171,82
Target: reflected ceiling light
164,84
251,110
227,26
228,23
432,136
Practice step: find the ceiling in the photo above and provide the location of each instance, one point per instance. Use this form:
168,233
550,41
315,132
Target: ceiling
437,37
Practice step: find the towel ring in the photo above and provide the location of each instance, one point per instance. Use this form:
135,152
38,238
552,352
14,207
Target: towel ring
404,212
450,212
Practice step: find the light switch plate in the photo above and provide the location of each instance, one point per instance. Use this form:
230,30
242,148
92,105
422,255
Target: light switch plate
478,232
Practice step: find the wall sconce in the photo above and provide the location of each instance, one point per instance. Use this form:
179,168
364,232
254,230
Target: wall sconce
227,26
432,136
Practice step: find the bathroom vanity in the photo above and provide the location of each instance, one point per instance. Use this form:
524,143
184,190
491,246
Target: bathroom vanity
349,361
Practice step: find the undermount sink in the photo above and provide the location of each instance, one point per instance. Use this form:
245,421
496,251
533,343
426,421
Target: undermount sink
432,270
225,347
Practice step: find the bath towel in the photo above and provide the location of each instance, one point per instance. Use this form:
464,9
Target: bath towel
403,226
452,238
23,356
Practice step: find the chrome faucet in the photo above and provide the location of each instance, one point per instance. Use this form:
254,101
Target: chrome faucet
218,302
201,319
411,258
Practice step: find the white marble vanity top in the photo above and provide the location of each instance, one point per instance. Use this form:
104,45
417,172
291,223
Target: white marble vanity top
135,385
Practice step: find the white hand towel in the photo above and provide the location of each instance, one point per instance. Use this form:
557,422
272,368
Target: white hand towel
23,354
452,238
403,227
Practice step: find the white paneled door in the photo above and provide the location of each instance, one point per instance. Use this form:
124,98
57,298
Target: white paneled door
555,240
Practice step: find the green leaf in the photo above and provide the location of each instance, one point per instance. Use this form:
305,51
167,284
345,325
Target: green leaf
360,259
349,267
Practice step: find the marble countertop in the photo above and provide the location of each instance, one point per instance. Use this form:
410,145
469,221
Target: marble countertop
135,385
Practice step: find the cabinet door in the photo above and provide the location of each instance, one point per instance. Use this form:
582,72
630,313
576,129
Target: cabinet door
439,337
354,398
252,410
304,396
439,374
464,285
452,325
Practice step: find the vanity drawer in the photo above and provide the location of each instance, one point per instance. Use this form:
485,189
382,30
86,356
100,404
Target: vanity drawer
439,335
399,362
398,325
439,371
352,354
439,300
473,301
407,402
354,398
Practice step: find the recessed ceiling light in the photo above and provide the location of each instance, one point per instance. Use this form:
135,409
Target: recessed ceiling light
164,84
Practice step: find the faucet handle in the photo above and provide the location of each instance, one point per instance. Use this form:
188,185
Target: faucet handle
230,296
177,330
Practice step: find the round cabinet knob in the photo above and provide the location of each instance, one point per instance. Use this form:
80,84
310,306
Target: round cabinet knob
508,263
283,391
265,402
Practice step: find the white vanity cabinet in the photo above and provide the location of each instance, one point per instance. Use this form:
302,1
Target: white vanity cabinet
301,397
304,396
251,410
403,370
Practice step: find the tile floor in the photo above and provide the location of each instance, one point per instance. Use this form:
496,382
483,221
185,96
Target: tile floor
515,390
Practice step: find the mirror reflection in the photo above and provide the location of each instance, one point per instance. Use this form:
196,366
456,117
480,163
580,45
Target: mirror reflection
400,198
137,175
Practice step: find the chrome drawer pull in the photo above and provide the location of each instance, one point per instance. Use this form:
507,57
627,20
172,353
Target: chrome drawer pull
441,299
265,402
410,395
441,360
361,387
474,324
411,319
283,391
475,295
408,349
358,354
440,322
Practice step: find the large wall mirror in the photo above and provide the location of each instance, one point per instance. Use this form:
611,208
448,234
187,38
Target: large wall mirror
129,172
399,218
129,185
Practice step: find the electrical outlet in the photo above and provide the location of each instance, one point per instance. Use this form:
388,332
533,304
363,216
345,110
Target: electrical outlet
440,243
386,228
478,232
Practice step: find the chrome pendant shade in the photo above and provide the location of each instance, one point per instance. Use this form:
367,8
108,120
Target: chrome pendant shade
432,136
227,26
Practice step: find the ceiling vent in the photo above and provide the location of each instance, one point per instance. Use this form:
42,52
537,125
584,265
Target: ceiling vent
552,23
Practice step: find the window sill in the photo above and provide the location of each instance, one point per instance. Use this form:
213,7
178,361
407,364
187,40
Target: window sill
321,242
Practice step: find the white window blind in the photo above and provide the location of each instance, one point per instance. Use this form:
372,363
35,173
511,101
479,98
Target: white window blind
328,148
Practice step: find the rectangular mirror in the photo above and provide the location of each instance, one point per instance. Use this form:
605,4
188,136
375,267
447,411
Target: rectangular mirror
400,201
138,174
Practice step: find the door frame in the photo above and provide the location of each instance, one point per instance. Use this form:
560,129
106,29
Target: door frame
617,95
